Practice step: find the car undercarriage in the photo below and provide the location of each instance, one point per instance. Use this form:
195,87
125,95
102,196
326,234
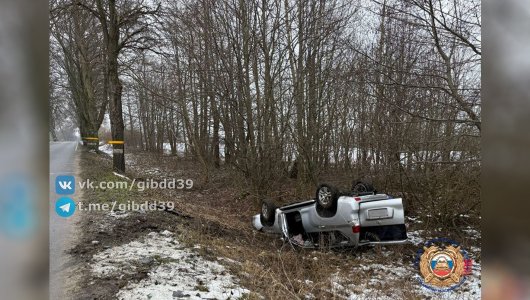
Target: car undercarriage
337,219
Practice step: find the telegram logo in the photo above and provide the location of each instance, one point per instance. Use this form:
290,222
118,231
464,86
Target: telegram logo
65,207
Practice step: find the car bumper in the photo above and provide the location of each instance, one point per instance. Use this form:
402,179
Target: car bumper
398,242
256,222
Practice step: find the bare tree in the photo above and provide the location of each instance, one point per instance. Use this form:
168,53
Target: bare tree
75,36
298,89
123,24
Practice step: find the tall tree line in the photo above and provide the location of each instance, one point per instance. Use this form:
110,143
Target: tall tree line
288,88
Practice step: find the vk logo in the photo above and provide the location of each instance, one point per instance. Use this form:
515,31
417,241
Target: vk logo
65,185
65,207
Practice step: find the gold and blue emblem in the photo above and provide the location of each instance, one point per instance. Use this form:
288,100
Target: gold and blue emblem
443,265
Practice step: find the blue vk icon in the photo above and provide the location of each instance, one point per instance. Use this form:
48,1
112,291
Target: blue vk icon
65,207
65,185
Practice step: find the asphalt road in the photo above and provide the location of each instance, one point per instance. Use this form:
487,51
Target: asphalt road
62,230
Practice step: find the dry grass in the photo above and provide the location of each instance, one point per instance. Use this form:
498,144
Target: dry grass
222,208
273,270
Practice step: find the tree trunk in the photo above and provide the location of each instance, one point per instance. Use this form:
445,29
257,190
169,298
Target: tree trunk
115,88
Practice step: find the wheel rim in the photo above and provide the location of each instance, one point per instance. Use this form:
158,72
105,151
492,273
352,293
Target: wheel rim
265,211
324,196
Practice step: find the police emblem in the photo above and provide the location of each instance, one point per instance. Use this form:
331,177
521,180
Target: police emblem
443,268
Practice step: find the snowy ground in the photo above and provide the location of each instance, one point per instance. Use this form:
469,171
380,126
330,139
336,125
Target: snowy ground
107,149
381,277
401,279
397,280
181,149
174,270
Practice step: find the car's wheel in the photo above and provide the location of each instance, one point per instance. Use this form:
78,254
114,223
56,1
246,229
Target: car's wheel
360,187
326,198
268,212
326,194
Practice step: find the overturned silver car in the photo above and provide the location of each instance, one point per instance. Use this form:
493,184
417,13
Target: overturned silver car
337,219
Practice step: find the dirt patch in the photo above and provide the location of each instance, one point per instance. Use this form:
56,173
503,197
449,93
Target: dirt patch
102,230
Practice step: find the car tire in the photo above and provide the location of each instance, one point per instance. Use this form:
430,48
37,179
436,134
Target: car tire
360,187
268,213
326,200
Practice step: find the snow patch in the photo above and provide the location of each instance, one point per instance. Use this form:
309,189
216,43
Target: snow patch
472,233
415,237
107,149
415,220
175,271
400,278
166,233
382,280
118,214
122,176
181,149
